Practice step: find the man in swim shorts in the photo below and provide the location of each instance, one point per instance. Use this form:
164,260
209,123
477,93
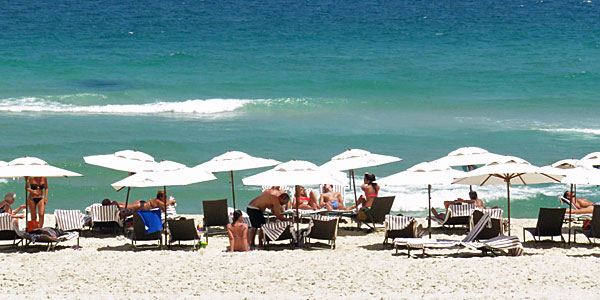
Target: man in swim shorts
256,209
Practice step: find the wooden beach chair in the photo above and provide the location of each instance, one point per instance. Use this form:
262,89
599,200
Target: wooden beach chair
322,228
549,224
400,227
594,231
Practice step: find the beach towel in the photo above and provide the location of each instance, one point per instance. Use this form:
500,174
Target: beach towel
152,221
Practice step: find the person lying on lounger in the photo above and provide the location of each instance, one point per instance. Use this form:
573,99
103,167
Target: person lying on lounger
238,233
330,199
474,199
158,202
304,200
582,205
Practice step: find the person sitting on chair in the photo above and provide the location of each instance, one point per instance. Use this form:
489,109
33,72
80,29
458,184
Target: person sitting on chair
9,199
330,199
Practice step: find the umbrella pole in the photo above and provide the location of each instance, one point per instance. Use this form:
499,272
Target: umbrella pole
570,209
232,189
508,198
353,185
429,220
127,198
165,202
297,219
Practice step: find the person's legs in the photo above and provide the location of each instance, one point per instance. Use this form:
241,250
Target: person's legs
251,234
32,210
583,203
41,212
260,238
436,214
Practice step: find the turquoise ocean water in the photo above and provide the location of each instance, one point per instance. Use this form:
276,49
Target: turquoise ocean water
188,80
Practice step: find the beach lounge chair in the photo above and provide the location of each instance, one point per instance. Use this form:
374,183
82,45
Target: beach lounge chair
549,224
105,218
215,214
494,228
594,231
278,231
70,220
183,230
139,232
322,228
37,237
401,227
456,214
376,214
7,233
506,244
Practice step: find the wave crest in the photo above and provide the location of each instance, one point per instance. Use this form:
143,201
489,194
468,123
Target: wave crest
575,130
194,107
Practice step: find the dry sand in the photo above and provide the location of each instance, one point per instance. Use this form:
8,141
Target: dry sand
106,268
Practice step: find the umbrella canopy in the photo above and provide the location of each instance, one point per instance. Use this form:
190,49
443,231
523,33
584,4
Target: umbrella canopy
508,170
165,173
296,172
426,173
33,167
468,156
234,161
3,163
126,160
356,158
591,160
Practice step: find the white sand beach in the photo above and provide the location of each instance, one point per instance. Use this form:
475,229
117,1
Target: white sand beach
107,268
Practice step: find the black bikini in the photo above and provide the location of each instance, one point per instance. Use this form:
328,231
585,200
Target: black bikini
34,186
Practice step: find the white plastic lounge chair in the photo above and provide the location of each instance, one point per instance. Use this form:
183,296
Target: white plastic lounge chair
70,220
52,242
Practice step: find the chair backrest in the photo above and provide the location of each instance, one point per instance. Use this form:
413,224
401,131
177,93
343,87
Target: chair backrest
105,213
182,230
595,225
483,221
550,221
5,222
68,219
215,212
381,207
487,232
139,230
324,228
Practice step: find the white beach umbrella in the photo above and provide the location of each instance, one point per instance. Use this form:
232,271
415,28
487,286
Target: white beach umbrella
423,174
131,161
235,161
165,173
467,157
3,163
508,170
32,167
296,172
126,160
352,159
575,174
591,160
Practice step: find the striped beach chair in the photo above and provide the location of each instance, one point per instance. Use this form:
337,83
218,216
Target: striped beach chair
400,227
105,216
7,233
278,231
457,214
70,220
322,228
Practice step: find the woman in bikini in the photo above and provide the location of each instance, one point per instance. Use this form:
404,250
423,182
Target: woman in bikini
37,198
371,189
238,233
302,200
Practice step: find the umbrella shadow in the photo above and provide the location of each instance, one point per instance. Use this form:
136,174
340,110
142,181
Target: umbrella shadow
124,247
351,231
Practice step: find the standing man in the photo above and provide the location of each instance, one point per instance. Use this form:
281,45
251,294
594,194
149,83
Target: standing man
255,212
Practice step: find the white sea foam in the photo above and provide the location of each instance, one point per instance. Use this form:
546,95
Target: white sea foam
189,107
576,130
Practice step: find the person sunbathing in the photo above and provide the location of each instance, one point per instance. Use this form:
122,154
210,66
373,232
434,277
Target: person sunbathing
330,199
303,200
473,200
582,205
158,202
238,233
